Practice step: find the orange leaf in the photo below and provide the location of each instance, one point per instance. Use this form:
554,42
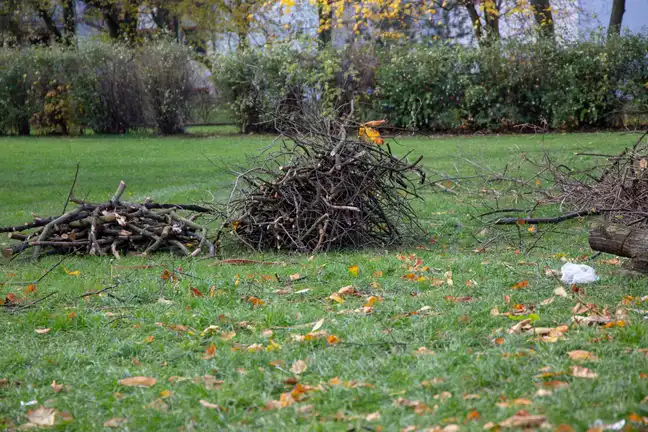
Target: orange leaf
255,301
332,340
473,416
354,270
210,352
523,284
195,292
377,273
29,289
71,315
166,275
149,339
371,301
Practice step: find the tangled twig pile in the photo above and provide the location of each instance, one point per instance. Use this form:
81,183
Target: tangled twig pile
113,227
323,189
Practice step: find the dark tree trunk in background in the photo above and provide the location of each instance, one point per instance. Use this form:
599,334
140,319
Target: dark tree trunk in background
616,17
50,24
325,36
474,19
112,24
69,20
543,17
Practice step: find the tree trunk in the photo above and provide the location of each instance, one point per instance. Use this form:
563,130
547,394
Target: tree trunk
325,19
474,19
112,24
543,17
492,26
69,20
623,241
616,17
50,24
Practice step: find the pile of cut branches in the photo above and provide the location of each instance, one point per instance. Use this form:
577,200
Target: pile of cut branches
322,187
113,227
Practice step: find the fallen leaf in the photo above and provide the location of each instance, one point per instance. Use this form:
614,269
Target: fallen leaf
42,330
332,340
473,416
423,351
267,333
165,394
210,352
58,387
138,381
354,270
71,316
498,341
299,367
294,277
209,405
72,273
229,335
560,292
255,301
318,325
42,416
520,285
373,417
471,396
547,301
523,420
580,355
371,301
543,393
210,382
195,292
583,372
336,297
29,289
149,339
458,299
115,422
520,327
555,384
514,403
158,405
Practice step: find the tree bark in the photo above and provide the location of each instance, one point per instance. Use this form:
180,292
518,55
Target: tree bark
325,35
616,17
623,241
69,20
474,19
50,24
543,17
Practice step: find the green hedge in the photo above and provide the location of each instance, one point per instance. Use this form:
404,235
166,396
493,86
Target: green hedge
108,88
448,88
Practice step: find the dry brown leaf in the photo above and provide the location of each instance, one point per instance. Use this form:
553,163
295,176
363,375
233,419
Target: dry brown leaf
59,387
299,367
209,405
42,416
560,292
514,403
138,381
227,335
336,297
158,405
423,351
581,355
548,301
373,417
591,320
115,422
523,421
495,312
520,327
210,382
555,384
583,372
210,352
471,396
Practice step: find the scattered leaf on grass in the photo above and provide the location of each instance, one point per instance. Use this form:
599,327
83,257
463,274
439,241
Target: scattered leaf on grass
560,292
371,301
555,384
523,419
228,335
543,393
149,339
336,297
581,355
498,341
209,381
520,285
158,405
29,289
423,351
583,372
294,277
210,352
514,403
332,340
473,416
71,316
165,393
42,330
453,299
115,422
42,416
209,405
138,381
299,367
255,301
195,292
73,272
318,325
373,417
354,270
58,387
520,327
420,408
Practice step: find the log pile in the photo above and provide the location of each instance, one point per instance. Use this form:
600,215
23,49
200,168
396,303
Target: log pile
113,227
324,187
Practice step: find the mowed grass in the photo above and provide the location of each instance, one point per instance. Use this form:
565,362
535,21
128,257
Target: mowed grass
97,340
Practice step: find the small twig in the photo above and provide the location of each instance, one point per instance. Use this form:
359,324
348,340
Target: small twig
67,200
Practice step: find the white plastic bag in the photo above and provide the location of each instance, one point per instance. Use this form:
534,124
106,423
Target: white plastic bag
578,274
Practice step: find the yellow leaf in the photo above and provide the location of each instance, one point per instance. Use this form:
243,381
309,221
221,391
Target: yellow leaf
149,339
165,393
332,340
371,301
336,297
354,270
72,273
274,346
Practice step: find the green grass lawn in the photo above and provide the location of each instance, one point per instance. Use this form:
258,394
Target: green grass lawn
469,373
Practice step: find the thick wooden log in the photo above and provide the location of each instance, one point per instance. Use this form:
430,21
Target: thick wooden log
623,241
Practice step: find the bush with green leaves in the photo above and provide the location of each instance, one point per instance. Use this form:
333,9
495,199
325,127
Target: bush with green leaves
14,93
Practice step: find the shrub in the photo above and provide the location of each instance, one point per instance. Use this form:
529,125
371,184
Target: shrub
14,93
168,76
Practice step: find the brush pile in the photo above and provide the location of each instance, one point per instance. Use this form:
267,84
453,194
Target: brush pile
321,188
113,227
